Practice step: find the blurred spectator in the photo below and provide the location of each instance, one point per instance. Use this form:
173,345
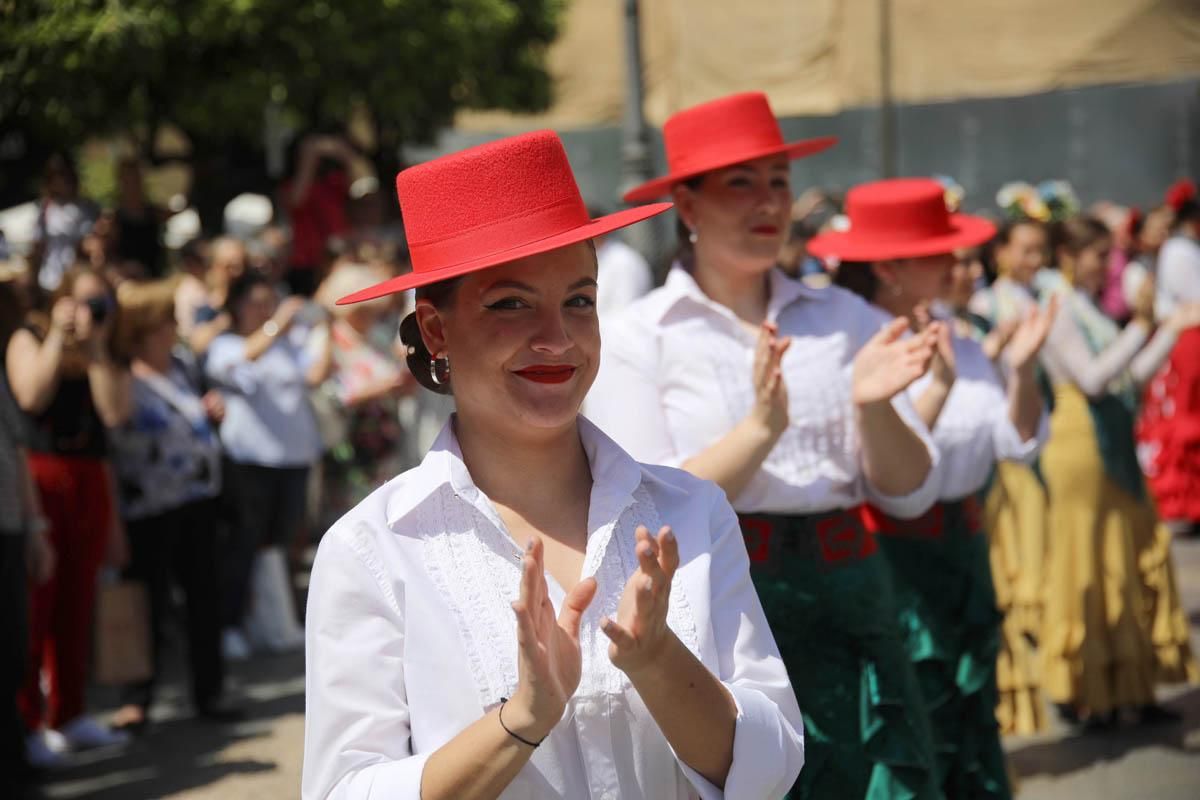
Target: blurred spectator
357,405
623,275
1149,235
270,438
26,556
212,318
813,212
168,464
191,287
1178,266
63,220
65,378
139,224
315,193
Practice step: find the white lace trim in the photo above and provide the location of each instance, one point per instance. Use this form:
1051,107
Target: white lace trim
476,569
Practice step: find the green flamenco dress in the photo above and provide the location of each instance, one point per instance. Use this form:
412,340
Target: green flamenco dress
827,595
951,625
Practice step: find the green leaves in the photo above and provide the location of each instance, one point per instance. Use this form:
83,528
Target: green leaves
75,68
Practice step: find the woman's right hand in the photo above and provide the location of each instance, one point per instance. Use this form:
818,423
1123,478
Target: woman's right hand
770,390
62,317
549,664
289,307
1143,302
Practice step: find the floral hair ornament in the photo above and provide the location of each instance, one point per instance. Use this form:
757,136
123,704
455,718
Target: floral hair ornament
954,192
1049,201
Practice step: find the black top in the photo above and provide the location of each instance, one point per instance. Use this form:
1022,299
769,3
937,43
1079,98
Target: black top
70,425
140,240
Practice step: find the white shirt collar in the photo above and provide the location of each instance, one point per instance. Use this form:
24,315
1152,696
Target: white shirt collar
615,477
681,286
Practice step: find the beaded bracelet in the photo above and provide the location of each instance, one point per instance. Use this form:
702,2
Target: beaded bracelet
517,736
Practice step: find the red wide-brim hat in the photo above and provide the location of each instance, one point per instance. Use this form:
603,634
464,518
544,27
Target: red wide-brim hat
718,134
900,218
492,204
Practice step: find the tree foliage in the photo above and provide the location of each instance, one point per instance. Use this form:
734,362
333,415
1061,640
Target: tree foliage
70,69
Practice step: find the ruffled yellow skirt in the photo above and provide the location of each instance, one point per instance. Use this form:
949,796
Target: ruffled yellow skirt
1015,517
1113,622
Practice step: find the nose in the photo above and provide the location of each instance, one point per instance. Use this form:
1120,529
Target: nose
551,337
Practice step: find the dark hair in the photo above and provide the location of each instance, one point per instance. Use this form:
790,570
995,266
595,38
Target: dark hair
240,289
1188,211
419,359
1078,234
685,251
12,312
193,250
859,277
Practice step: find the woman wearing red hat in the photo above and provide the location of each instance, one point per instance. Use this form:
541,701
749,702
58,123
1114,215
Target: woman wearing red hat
500,621
782,395
1114,625
899,255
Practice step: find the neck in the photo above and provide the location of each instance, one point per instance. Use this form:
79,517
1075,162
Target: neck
897,306
745,293
152,363
523,472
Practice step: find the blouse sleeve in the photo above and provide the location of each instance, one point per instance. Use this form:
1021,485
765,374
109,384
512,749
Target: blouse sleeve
1070,360
624,401
1153,355
357,735
226,366
768,739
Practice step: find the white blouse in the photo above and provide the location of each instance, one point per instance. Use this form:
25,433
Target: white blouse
675,377
411,638
973,431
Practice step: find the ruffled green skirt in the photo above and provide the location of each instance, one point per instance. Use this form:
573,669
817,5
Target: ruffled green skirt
828,597
947,612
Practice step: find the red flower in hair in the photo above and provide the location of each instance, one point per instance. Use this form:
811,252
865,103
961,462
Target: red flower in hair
1180,192
1133,222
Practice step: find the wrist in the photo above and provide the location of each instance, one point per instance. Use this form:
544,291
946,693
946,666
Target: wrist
655,661
762,428
519,718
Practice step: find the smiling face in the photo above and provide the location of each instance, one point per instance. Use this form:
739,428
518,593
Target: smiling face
740,214
523,340
1023,254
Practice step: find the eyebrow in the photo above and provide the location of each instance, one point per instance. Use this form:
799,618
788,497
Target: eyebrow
772,168
524,287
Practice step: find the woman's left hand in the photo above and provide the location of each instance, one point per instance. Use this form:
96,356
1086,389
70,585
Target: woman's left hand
640,632
1030,335
887,364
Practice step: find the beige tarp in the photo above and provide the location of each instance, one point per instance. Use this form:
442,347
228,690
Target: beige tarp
820,56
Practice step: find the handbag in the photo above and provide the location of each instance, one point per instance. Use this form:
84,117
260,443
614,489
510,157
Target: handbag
124,653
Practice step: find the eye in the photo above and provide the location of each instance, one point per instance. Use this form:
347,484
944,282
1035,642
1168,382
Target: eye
507,304
581,301
781,183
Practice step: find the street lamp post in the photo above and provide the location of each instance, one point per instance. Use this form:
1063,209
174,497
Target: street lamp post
637,165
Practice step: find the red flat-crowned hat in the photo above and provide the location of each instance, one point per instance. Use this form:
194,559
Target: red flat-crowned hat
492,204
721,133
900,218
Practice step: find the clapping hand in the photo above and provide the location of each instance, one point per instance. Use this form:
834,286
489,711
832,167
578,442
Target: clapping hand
887,364
1030,335
770,390
549,664
944,366
639,633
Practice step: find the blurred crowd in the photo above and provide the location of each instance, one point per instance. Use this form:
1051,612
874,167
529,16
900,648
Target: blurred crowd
193,419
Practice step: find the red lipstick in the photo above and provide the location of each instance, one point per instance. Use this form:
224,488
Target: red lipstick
766,230
547,373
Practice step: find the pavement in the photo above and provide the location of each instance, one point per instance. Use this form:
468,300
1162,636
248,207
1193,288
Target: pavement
261,756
